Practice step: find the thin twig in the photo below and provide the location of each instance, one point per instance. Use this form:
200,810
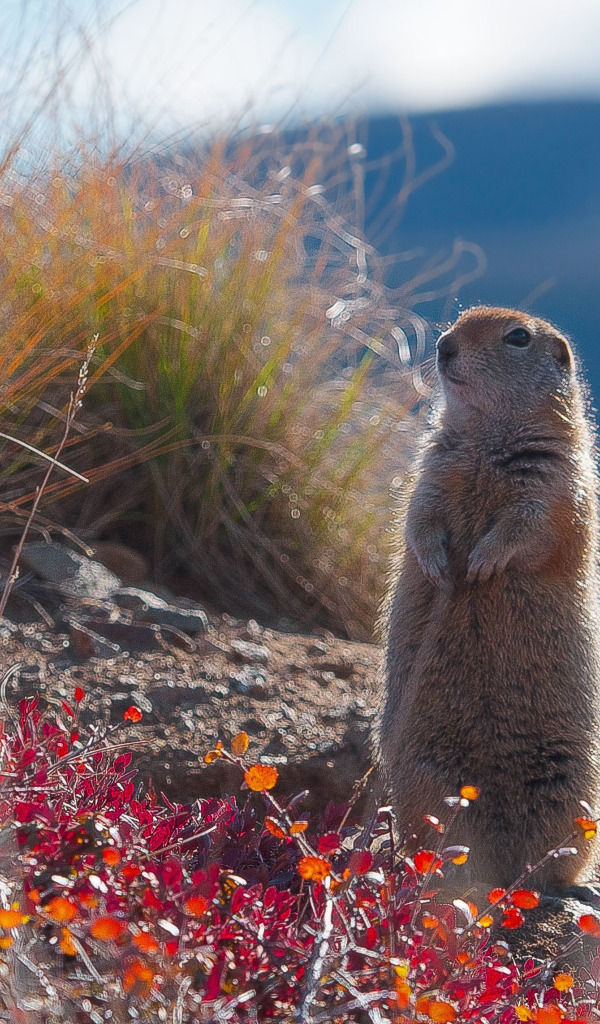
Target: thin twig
74,406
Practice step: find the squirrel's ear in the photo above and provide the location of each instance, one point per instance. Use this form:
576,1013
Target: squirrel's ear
561,350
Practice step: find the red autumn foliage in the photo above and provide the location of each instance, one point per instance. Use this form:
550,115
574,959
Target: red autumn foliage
217,911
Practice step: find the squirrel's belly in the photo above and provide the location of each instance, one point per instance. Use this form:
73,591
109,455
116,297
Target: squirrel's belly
490,667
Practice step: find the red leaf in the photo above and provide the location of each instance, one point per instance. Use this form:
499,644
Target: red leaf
426,861
79,694
121,762
513,918
329,842
213,983
172,873
68,709
526,899
24,811
360,862
130,871
150,900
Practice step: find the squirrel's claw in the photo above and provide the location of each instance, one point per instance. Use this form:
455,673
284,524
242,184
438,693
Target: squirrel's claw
484,563
434,565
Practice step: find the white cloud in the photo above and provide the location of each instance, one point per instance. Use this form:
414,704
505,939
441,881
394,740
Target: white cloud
438,53
196,61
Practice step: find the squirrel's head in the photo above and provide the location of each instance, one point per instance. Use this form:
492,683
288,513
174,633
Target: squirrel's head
493,359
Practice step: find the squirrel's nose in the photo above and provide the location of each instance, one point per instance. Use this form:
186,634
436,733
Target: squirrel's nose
446,348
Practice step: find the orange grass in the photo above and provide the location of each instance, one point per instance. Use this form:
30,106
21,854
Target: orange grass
236,309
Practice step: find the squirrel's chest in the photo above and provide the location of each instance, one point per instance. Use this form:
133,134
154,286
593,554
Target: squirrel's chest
474,494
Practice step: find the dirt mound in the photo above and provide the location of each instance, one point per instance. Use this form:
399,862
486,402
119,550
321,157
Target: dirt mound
307,703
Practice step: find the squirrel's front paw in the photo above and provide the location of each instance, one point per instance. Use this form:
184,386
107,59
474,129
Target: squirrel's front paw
486,560
433,562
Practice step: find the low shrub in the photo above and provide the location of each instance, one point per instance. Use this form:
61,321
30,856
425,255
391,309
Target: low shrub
117,905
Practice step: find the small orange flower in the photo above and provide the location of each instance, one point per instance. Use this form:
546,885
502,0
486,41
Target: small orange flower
590,924
137,975
66,943
145,942
298,826
548,1015
273,826
441,1011
107,928
196,905
402,993
563,982
11,918
212,755
132,714
87,899
61,909
6,942
588,827
111,856
314,869
469,792
486,921
239,744
261,776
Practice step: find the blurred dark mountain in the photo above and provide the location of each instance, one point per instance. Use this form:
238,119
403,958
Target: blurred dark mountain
524,185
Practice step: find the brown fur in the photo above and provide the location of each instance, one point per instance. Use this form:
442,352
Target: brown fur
493,666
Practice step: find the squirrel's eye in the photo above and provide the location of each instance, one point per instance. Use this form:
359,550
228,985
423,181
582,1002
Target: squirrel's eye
518,337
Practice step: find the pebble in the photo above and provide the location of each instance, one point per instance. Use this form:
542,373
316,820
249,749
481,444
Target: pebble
246,651
72,573
249,680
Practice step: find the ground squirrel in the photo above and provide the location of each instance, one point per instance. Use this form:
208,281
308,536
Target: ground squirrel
493,664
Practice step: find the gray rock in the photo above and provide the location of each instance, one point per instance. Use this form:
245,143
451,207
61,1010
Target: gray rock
135,599
249,680
250,653
70,572
129,565
7,628
188,620
85,643
129,636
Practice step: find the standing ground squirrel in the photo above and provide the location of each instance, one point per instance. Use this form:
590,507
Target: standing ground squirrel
493,645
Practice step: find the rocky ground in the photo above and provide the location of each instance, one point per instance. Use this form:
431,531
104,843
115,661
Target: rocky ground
308,703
